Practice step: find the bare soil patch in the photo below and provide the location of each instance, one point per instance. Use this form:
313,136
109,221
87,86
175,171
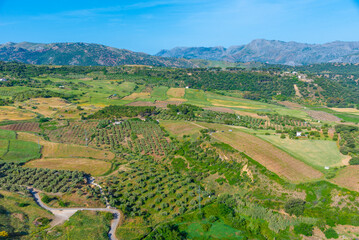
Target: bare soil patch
23,127
322,116
291,105
160,104
348,177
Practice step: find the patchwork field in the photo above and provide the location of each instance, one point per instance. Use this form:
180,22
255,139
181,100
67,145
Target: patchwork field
266,154
93,167
318,153
60,150
15,114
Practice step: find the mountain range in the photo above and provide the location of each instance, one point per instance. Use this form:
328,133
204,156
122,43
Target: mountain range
273,52
83,54
260,50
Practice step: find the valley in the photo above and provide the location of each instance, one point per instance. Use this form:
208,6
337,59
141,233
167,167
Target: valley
190,153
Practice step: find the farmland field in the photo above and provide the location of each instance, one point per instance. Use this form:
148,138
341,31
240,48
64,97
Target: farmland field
317,153
265,153
348,177
21,151
93,167
207,153
176,92
13,113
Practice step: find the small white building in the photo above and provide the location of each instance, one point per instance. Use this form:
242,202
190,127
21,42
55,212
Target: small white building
3,80
299,134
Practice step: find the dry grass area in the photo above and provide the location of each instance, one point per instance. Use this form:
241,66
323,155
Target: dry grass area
134,96
348,177
250,114
180,128
60,150
13,113
45,106
291,105
160,104
220,109
346,110
176,92
266,154
297,92
322,116
224,103
93,167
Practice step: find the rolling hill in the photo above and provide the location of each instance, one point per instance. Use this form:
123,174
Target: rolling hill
83,54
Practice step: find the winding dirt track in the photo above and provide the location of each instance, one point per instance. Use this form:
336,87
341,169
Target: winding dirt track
63,214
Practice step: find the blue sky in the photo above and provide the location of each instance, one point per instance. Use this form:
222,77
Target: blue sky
149,26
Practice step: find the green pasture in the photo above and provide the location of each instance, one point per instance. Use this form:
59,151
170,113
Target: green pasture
14,150
316,153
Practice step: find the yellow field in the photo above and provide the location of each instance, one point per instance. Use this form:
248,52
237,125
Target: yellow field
60,150
45,106
346,110
180,128
176,92
13,113
225,103
134,96
93,167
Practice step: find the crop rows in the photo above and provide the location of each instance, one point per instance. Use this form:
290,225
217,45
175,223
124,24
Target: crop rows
75,133
150,189
23,127
13,176
139,136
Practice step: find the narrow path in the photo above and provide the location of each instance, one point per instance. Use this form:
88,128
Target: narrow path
63,214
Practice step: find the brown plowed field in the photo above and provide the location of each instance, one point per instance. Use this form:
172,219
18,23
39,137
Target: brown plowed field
348,177
23,127
323,116
160,104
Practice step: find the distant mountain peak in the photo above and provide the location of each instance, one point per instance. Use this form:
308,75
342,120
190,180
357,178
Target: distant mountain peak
273,51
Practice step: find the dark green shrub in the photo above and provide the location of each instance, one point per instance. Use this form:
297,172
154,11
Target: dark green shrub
354,161
303,228
295,207
331,233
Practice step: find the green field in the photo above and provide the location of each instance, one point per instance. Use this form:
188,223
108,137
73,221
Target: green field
14,150
318,153
83,225
159,93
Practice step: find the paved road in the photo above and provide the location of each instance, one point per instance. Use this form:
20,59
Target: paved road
63,214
